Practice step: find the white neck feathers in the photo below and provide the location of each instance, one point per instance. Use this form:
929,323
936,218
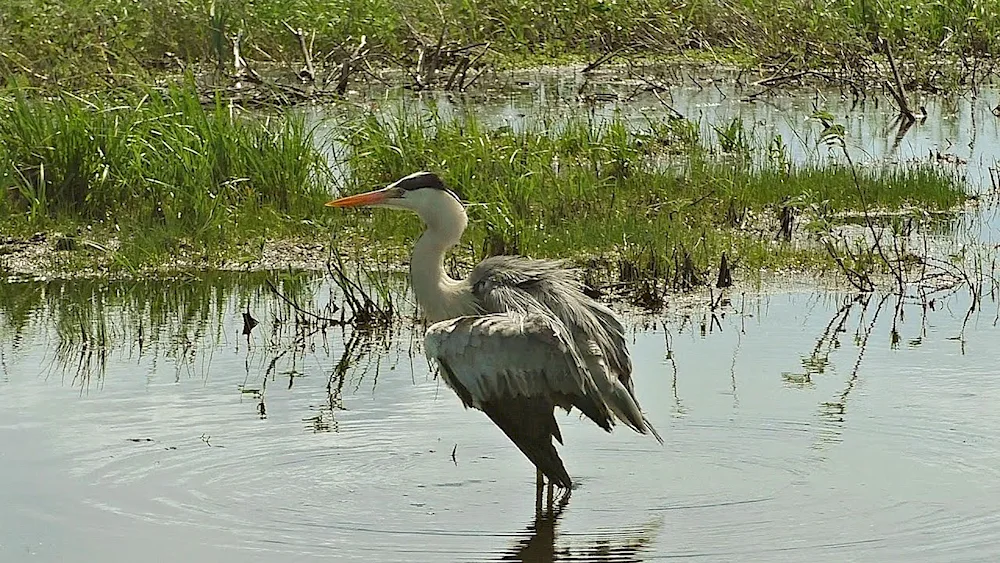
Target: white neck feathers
437,293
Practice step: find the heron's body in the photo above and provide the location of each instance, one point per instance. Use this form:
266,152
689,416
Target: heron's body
518,337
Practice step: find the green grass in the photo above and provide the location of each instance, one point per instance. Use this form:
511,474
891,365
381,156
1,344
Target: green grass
88,42
648,198
166,176
157,169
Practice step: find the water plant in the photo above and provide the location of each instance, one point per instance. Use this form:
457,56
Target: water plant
146,176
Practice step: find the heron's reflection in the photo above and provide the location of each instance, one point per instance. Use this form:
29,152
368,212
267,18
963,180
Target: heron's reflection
539,545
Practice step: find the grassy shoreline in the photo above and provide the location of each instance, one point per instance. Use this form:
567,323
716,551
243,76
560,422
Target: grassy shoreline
639,203
155,169
155,180
102,43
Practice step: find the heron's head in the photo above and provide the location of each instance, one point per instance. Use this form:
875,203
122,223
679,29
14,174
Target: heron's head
423,193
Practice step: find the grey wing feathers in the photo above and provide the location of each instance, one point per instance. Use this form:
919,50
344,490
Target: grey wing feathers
545,287
514,283
516,368
498,356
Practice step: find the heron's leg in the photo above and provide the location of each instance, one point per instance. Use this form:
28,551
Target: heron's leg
539,486
549,496
564,496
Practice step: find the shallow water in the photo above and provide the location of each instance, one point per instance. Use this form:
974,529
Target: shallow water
958,133
795,429
963,126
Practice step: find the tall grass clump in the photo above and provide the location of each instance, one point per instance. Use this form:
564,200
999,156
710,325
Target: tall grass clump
653,194
155,165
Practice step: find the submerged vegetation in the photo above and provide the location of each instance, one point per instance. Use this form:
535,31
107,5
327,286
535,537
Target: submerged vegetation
100,42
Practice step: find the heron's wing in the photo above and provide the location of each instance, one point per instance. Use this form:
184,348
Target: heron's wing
516,368
545,287
518,284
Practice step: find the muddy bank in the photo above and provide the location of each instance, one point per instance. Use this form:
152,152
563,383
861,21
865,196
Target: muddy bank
58,256
55,256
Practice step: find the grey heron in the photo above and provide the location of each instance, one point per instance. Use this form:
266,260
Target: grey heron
516,338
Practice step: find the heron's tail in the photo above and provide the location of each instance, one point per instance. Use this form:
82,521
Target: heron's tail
616,395
624,405
651,430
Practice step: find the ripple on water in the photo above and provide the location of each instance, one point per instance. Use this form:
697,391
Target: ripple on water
762,496
906,472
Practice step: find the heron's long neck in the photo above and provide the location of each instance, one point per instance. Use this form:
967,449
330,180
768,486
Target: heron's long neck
435,289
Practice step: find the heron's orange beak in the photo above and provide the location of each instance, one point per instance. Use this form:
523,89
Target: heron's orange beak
369,198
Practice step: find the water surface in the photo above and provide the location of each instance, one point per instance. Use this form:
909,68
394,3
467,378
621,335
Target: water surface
797,427
957,126
137,420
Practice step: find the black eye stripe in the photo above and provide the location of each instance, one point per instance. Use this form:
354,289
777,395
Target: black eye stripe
422,180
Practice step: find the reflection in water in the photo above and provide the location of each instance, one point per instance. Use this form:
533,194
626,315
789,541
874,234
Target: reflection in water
304,444
834,410
869,308
360,348
86,321
539,542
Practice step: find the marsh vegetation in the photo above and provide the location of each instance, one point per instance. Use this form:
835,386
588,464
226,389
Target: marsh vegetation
156,178
151,137
101,42
650,205
158,164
